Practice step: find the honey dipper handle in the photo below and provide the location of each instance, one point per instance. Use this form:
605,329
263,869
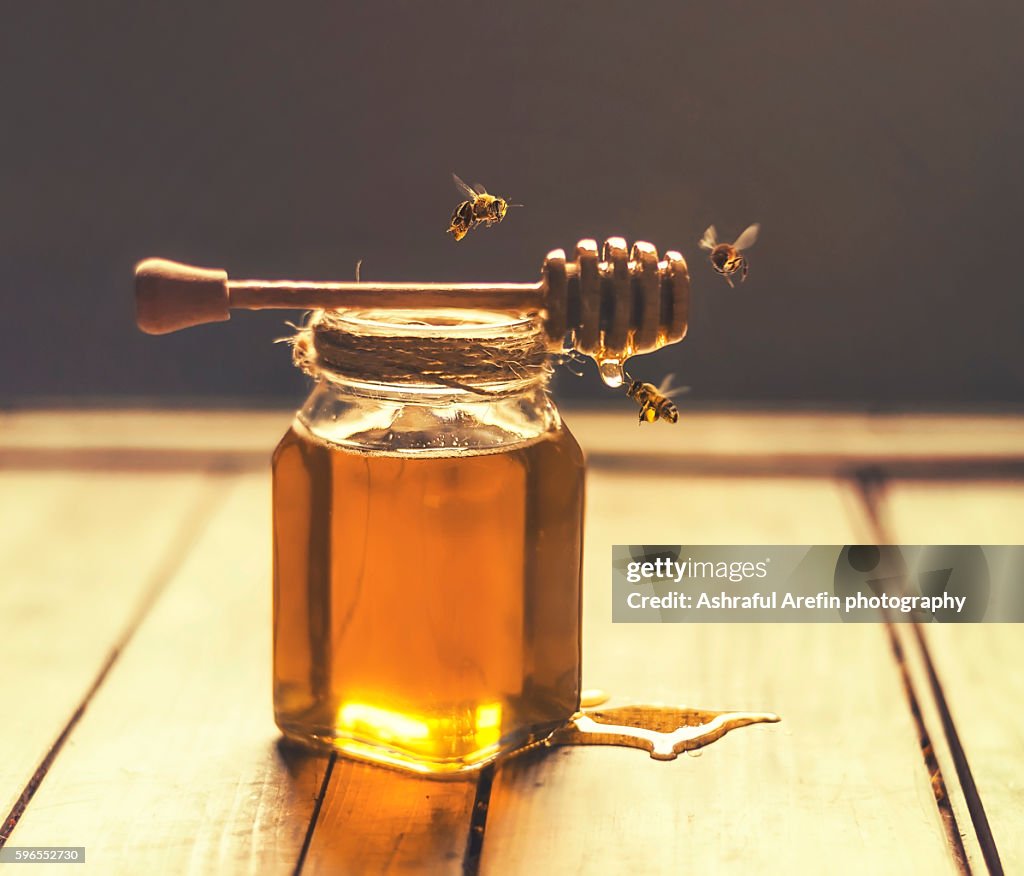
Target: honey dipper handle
264,294
170,296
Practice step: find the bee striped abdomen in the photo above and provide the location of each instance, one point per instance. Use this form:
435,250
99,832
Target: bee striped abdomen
462,220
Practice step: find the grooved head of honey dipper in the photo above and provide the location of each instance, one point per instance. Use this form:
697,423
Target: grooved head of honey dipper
675,294
171,296
556,297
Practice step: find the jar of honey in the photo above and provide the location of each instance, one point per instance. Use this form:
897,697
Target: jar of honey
428,508
428,499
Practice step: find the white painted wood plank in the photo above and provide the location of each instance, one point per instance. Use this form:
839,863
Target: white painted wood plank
175,767
79,555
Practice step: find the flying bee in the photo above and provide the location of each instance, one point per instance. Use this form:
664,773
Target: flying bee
654,400
727,258
480,208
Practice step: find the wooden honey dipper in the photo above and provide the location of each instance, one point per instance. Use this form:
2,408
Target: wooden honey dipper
623,303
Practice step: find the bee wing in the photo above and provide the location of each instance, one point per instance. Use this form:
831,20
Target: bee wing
664,390
710,238
463,188
679,390
479,189
665,384
748,237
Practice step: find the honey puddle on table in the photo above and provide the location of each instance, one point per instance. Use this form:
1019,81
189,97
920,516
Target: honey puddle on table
663,731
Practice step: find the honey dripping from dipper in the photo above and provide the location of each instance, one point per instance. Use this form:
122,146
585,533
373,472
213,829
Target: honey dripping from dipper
616,303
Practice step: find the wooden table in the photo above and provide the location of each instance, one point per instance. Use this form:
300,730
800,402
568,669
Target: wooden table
135,715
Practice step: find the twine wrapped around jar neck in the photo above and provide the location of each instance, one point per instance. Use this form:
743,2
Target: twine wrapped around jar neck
481,352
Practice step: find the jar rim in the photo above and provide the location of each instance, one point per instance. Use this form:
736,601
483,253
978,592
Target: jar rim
430,322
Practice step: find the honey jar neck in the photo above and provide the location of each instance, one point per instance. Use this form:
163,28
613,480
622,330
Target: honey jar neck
402,422
426,381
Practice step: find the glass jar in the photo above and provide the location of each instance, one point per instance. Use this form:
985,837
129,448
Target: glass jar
428,506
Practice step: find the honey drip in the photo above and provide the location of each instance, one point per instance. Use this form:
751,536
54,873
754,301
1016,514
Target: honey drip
664,732
611,372
611,361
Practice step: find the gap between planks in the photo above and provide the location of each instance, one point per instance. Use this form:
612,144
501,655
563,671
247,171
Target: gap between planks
377,820
956,793
975,669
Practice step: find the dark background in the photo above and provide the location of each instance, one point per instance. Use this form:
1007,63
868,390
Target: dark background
878,143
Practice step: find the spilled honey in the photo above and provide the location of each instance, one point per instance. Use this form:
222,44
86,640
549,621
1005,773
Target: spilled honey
663,731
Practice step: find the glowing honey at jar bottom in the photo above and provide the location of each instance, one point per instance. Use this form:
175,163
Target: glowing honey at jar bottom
363,719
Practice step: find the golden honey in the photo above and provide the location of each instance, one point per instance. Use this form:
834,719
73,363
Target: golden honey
426,605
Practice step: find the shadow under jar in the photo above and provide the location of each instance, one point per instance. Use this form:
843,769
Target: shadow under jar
428,509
